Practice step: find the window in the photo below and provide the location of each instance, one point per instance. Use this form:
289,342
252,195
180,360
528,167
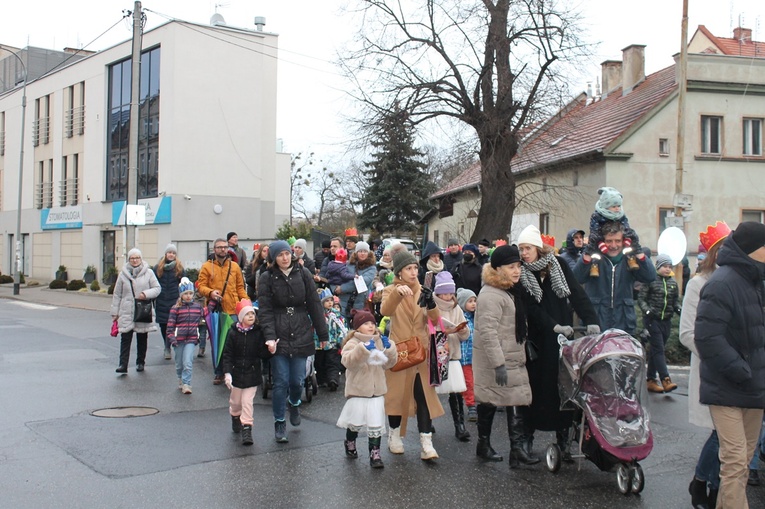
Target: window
663,147
667,218
2,133
576,178
446,207
44,184
118,127
752,137
544,184
435,236
62,188
753,215
711,135
544,223
41,126
68,189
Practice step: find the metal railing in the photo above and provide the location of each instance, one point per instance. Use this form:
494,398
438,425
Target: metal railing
68,192
2,143
74,122
44,195
41,131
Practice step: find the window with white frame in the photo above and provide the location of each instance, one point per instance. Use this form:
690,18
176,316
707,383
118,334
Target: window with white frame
752,134
663,147
544,223
711,135
758,216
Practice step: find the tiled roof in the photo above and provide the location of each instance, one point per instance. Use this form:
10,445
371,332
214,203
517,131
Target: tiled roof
734,47
469,178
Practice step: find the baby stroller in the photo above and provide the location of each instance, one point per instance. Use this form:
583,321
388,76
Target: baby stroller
310,383
602,378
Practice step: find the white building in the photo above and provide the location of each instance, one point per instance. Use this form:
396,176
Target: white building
208,162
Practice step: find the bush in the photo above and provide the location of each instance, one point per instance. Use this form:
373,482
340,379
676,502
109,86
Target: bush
5,278
110,291
192,274
76,284
57,284
94,286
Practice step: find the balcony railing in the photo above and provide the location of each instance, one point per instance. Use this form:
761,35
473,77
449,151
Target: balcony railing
41,131
2,143
74,122
44,195
69,192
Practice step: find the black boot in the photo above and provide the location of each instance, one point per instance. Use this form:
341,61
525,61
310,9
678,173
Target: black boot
455,403
485,418
698,491
564,443
126,338
375,460
246,435
519,437
236,424
712,498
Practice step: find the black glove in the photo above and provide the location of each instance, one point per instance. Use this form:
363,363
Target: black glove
426,298
500,375
678,310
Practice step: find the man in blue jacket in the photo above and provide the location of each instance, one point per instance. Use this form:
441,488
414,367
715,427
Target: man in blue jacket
611,293
730,338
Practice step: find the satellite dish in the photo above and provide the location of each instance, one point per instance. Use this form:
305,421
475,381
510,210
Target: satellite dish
672,242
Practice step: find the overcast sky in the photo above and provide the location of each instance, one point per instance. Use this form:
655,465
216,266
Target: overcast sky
309,87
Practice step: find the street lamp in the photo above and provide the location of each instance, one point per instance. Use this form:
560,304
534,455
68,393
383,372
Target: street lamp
17,272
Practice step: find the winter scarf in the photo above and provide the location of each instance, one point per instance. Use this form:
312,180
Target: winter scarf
557,278
521,326
386,265
435,266
242,328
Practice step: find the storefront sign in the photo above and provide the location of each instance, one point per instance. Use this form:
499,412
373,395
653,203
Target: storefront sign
61,218
158,210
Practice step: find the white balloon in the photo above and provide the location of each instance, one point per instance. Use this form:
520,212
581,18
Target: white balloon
672,242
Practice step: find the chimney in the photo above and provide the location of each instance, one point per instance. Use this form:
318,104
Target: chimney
611,71
742,35
260,22
633,71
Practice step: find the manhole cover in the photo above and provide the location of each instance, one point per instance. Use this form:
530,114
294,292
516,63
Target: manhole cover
125,411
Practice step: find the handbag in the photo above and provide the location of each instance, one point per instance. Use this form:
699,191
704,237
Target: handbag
439,354
142,310
532,350
115,329
410,353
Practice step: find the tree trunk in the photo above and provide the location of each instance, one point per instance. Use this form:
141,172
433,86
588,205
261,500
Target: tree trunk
497,186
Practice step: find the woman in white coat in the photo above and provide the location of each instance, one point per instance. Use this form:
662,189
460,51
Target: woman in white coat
135,282
707,473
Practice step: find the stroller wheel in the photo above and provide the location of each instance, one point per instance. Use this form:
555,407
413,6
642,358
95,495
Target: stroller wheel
314,384
624,478
553,458
308,390
638,479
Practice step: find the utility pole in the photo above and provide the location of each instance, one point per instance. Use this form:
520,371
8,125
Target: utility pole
135,91
682,88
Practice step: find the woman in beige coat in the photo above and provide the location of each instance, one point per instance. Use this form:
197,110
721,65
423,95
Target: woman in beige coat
499,358
409,390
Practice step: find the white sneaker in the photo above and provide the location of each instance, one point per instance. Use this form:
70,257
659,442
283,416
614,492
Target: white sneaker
426,442
395,445
186,389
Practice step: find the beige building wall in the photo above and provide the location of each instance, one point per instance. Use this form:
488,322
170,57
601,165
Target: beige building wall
43,255
71,253
150,250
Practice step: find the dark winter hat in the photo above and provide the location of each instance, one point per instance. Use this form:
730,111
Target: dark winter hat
401,260
471,247
749,236
484,242
661,260
276,248
504,255
453,242
360,317
230,234
326,244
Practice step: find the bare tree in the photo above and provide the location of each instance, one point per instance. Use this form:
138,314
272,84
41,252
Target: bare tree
493,65
301,171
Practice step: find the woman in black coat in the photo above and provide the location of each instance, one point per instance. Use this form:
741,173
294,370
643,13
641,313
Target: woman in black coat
169,271
552,291
290,310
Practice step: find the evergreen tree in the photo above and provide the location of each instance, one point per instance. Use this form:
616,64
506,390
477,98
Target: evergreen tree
398,187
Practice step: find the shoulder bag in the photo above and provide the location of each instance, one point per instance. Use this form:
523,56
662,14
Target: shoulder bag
142,312
410,353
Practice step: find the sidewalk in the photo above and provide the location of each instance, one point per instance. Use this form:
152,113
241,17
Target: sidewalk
62,298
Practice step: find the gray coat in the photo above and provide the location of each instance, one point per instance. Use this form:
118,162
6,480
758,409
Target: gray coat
123,302
494,344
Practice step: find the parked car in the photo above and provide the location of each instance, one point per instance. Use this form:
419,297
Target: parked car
410,245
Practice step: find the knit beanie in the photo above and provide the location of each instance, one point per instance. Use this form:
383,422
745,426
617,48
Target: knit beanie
170,248
135,252
444,283
229,235
609,197
504,255
464,295
277,247
453,242
661,260
243,307
749,236
362,246
325,294
484,242
530,235
401,260
326,244
185,286
360,317
471,247
301,243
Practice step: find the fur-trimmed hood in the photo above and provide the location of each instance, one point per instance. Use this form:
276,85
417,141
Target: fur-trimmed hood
493,277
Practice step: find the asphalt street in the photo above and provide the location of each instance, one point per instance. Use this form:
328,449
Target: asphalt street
57,364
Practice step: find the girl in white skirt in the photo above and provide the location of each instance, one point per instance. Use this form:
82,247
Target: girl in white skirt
457,331
366,356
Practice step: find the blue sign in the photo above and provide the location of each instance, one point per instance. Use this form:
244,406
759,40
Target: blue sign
158,210
61,218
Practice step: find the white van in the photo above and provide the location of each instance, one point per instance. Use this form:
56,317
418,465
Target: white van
410,245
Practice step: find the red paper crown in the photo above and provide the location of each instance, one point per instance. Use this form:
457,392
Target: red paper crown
714,234
351,232
548,239
500,242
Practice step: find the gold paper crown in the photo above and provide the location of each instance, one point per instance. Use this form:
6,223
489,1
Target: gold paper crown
714,234
548,239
